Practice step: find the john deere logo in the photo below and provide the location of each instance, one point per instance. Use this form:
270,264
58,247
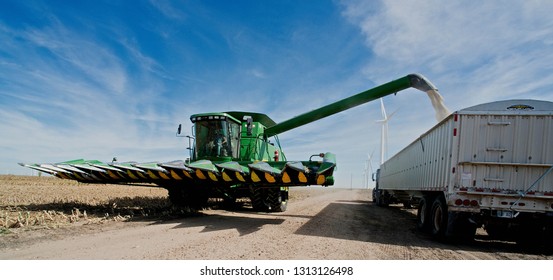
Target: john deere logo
520,107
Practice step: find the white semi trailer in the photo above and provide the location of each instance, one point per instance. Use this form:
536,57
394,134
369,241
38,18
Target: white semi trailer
488,165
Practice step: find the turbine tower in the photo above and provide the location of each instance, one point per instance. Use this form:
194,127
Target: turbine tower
384,132
368,169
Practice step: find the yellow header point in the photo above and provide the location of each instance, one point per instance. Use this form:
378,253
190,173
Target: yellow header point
212,176
286,178
255,178
270,178
240,178
302,177
200,174
321,180
226,177
175,175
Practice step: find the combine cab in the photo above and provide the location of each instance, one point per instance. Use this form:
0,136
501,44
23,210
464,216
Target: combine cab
231,157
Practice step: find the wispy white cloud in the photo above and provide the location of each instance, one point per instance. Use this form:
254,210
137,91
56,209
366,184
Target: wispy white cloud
72,93
481,43
166,8
473,52
64,95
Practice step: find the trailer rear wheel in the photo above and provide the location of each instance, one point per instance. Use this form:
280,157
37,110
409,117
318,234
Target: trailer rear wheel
439,215
423,215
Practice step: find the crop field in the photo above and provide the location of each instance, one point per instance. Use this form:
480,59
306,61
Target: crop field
28,203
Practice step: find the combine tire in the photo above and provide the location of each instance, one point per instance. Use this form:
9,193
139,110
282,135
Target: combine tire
269,200
277,200
258,201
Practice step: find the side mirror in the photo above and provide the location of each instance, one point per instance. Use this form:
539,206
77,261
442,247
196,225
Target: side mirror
179,129
249,127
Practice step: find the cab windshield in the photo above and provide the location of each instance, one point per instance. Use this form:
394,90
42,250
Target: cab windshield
217,138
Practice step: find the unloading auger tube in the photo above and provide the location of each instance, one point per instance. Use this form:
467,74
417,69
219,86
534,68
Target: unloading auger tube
231,156
416,81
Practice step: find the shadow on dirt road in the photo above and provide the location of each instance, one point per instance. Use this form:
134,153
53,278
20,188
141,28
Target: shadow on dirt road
216,222
366,222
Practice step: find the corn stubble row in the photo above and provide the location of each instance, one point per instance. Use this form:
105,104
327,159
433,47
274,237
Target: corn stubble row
44,202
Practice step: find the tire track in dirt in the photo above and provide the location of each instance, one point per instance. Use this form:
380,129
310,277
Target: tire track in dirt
321,223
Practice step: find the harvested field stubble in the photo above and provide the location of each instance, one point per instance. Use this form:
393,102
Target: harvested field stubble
28,202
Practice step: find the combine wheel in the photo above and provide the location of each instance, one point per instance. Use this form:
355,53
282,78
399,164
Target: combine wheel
438,218
277,200
269,200
258,200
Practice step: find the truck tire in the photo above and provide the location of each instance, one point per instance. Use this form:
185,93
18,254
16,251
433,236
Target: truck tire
438,218
373,196
423,215
380,198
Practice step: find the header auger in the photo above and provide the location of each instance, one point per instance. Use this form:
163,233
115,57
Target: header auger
231,157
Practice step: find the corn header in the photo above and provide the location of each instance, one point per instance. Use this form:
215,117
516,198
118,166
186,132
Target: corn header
231,156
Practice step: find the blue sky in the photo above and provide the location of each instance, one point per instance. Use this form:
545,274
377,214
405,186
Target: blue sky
98,79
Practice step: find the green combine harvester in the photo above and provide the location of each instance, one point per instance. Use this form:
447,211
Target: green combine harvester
231,157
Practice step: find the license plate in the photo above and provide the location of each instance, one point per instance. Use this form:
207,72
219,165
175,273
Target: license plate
505,214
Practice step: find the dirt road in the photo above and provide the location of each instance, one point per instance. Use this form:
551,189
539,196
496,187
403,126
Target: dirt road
319,224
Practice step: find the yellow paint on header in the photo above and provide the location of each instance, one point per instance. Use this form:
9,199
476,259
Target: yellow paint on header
175,175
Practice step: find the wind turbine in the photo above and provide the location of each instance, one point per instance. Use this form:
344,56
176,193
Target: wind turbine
384,132
368,169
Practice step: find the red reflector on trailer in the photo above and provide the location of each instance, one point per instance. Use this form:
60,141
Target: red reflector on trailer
455,132
455,117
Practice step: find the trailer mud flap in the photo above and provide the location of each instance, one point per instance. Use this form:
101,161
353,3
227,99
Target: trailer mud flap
460,227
